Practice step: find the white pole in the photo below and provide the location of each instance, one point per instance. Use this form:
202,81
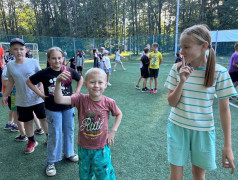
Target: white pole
176,35
216,42
153,38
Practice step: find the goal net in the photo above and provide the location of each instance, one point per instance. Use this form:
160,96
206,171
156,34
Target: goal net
33,47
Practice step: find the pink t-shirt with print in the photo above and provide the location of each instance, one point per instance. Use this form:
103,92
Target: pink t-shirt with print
93,119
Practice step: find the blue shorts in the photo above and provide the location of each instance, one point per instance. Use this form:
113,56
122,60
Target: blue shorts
118,61
183,143
108,70
95,163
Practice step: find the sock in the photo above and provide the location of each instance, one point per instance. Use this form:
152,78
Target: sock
31,138
10,122
155,88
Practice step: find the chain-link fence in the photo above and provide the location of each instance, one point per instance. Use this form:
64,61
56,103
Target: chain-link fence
131,46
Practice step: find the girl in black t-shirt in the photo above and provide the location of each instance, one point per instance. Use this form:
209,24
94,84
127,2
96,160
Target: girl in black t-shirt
60,117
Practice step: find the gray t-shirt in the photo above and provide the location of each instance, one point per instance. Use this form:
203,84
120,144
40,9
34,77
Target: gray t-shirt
25,97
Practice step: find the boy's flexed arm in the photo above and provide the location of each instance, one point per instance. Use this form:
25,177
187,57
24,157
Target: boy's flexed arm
10,84
225,116
58,97
111,134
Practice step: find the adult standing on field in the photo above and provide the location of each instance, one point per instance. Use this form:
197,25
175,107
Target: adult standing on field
2,64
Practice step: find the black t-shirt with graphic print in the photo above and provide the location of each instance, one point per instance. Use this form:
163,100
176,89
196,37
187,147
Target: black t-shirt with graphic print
48,78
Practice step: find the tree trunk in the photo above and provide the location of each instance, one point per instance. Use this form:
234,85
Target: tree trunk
68,17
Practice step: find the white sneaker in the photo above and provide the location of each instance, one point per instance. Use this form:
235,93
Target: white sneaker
74,158
109,84
50,170
114,70
124,69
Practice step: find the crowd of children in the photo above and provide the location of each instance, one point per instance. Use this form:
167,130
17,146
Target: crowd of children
192,83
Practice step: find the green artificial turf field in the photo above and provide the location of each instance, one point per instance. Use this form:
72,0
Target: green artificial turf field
140,150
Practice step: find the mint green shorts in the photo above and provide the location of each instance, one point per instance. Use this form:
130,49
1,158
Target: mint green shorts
185,143
95,163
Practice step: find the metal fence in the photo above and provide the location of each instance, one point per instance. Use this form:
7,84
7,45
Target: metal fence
133,45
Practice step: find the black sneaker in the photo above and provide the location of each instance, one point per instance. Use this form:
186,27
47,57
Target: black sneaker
39,131
143,90
137,87
147,89
21,138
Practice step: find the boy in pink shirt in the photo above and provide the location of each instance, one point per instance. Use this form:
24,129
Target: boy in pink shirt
93,114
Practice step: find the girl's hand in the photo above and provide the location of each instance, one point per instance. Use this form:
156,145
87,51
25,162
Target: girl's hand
184,71
227,154
110,139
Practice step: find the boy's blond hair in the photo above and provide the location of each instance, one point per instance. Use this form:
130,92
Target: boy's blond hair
95,71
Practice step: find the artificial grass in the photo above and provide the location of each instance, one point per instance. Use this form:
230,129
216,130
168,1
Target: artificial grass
140,150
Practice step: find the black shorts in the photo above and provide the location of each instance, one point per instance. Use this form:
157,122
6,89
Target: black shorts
154,73
25,114
234,76
145,72
79,68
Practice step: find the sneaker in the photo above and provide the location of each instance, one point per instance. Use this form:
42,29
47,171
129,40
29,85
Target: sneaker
124,69
21,138
39,131
73,158
155,91
137,87
30,147
114,70
8,126
151,91
14,129
50,170
143,90
146,88
109,84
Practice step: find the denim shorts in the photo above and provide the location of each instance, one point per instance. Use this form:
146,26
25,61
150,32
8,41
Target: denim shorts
95,163
108,70
186,143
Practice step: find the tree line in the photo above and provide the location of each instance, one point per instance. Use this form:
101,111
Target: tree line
112,18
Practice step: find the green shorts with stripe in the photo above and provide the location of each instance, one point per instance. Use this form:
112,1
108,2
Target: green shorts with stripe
186,143
95,163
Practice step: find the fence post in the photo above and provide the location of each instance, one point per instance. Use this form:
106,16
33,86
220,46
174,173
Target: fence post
93,43
110,46
74,45
22,37
52,41
153,38
216,43
130,47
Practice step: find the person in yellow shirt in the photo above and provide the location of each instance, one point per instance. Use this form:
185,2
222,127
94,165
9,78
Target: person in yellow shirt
155,58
